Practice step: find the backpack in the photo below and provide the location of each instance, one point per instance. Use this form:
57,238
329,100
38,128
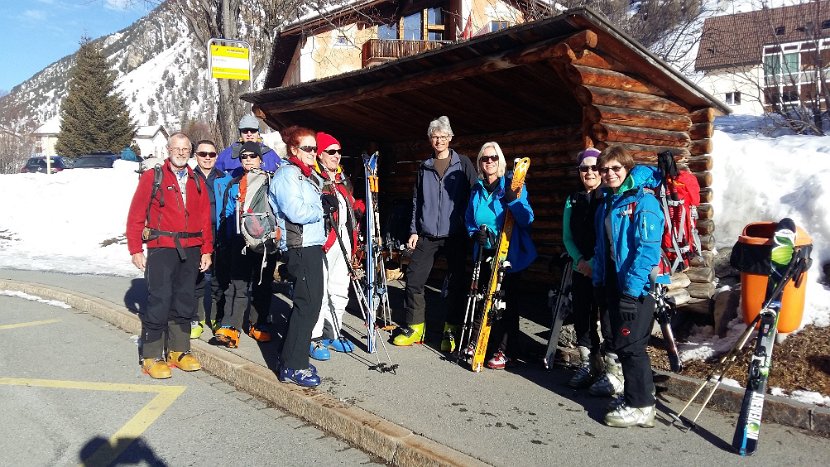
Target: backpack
679,195
256,221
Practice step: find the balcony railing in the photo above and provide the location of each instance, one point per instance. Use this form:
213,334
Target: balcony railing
377,51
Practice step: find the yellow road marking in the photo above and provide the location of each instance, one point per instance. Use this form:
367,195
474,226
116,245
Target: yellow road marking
131,430
30,323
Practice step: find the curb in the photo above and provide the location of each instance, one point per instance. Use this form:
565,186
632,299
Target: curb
373,434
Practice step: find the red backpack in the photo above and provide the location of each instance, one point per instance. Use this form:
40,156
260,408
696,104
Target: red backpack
679,195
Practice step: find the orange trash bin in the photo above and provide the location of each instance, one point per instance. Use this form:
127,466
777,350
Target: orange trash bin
751,257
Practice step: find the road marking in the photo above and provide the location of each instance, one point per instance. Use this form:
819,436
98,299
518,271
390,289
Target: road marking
30,323
132,430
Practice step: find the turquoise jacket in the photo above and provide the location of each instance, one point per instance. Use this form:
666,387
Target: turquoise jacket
637,223
522,252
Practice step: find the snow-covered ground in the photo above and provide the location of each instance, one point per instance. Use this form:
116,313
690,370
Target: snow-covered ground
73,221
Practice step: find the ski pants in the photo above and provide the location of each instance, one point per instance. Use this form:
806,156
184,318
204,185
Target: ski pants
586,314
454,248
336,284
305,270
244,270
171,301
207,284
630,339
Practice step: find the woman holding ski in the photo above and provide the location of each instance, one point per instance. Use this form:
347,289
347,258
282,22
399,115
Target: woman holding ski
490,199
629,231
301,207
341,230
578,235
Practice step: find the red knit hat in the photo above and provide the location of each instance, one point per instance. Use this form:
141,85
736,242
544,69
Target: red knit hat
324,140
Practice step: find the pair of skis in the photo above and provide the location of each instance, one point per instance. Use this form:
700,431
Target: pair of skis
376,291
491,299
786,264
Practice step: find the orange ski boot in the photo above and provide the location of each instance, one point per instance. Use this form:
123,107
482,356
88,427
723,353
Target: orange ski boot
229,337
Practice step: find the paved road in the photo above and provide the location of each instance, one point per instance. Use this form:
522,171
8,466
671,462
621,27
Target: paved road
69,383
523,416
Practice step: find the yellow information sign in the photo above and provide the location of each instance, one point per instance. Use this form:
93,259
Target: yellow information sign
230,62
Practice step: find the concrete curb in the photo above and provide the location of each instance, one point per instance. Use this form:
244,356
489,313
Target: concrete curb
365,430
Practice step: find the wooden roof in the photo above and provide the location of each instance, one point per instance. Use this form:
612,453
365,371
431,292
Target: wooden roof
738,40
493,83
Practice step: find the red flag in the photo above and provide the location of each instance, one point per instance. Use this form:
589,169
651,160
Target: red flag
467,33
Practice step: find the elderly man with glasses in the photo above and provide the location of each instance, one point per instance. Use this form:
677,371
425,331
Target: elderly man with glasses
228,160
170,212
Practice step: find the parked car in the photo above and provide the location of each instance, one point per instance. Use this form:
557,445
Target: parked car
37,164
95,161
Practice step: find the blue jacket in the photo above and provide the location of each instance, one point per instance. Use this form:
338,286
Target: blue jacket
295,200
521,251
216,181
637,232
438,204
228,159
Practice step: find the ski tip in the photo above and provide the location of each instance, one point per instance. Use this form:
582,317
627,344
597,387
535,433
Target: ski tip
786,223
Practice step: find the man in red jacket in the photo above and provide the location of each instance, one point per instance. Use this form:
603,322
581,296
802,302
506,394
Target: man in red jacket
171,213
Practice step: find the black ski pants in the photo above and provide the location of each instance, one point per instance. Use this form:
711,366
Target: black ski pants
241,272
587,313
454,248
630,339
171,301
305,270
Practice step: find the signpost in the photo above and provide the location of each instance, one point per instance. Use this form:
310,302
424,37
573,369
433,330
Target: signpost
230,59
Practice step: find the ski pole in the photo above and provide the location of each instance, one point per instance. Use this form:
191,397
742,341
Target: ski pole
472,300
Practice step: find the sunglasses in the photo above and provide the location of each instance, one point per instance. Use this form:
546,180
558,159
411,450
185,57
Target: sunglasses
586,168
308,149
331,152
210,154
248,131
489,158
248,156
616,169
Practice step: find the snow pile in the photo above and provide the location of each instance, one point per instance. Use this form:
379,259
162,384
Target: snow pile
34,298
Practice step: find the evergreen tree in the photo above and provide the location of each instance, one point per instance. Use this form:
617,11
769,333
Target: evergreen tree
94,116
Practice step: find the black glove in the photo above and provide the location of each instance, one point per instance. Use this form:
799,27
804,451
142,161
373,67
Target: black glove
329,202
628,308
481,237
599,297
509,195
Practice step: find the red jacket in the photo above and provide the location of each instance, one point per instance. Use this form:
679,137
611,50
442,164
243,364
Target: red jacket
172,217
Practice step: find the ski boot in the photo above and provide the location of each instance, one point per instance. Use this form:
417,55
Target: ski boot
584,373
340,344
625,416
412,334
319,351
306,378
612,382
184,361
196,329
227,336
258,334
156,368
448,342
498,361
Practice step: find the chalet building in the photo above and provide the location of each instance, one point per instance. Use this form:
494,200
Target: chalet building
766,59
544,89
151,140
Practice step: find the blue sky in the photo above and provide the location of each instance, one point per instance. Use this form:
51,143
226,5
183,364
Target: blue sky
44,31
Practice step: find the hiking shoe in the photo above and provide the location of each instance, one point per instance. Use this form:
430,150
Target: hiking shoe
184,361
615,403
498,361
319,351
470,350
341,344
412,334
625,416
258,334
582,377
448,341
227,336
156,368
196,329
306,378
606,386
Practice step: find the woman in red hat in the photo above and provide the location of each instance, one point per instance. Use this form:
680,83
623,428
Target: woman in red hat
342,229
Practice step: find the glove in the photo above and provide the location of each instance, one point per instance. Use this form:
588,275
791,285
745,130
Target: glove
329,202
599,297
481,237
509,196
628,308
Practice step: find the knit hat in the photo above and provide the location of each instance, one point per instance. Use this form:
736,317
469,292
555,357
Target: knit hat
590,152
248,121
324,140
250,146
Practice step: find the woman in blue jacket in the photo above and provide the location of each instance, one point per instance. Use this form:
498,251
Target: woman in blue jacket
629,230
490,199
299,205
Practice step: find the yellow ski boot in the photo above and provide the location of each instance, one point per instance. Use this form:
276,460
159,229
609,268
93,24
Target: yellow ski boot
413,334
184,361
156,368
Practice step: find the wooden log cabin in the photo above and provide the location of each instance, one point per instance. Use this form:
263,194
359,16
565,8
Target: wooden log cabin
543,89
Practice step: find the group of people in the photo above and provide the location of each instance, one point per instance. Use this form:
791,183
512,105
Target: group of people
612,230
